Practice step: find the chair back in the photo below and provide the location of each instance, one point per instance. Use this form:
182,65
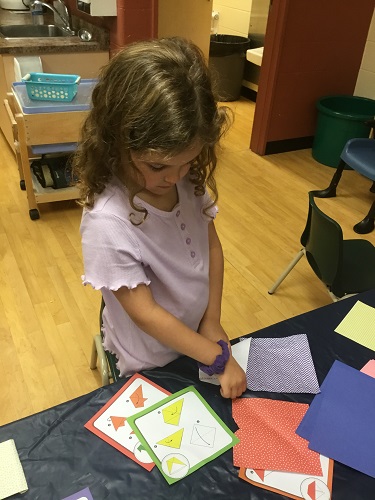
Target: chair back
323,242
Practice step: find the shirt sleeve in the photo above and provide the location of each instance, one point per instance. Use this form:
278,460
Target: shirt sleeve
211,213
111,254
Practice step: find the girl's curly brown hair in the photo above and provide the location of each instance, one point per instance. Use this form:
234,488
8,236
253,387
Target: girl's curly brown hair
152,96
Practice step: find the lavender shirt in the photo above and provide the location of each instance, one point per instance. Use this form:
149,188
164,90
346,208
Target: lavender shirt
169,252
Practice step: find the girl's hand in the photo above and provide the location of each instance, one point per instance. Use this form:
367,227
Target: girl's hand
232,380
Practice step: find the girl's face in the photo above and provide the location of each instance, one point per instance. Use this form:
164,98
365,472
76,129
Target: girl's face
160,173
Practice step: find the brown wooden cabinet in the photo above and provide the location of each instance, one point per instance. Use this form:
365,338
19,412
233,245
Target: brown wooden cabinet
34,129
85,64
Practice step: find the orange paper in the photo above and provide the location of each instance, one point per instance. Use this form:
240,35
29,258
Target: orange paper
267,437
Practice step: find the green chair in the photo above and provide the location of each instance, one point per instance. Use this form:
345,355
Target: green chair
107,360
346,267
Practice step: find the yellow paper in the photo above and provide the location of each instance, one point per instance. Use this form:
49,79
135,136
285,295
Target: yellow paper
359,325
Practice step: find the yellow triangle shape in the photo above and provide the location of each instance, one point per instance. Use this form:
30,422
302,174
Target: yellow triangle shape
172,413
174,461
174,440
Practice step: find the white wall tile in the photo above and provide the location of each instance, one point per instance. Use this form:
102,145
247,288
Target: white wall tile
234,4
368,60
365,84
233,20
371,32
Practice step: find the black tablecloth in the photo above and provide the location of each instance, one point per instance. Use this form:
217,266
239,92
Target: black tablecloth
60,456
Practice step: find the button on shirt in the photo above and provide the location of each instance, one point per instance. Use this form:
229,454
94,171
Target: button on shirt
169,252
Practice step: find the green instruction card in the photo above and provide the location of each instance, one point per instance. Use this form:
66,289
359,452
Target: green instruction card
182,433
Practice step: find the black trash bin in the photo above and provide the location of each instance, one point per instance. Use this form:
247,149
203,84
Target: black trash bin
227,64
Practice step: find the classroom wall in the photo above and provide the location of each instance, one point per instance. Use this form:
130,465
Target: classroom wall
365,86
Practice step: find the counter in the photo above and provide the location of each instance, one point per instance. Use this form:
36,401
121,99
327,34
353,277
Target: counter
51,45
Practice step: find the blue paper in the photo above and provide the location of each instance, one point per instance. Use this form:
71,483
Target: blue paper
340,421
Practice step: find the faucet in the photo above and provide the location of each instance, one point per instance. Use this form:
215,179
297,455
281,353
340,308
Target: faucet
64,17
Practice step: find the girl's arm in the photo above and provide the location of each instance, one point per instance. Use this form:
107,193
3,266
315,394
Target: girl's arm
157,322
233,379
210,326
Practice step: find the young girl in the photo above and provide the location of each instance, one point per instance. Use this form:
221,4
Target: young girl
148,236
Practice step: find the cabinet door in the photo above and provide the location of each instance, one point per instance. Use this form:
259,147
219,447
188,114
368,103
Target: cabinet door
189,19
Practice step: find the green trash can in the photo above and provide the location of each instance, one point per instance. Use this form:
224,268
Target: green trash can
340,118
227,64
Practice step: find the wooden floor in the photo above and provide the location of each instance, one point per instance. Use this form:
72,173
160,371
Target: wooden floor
47,318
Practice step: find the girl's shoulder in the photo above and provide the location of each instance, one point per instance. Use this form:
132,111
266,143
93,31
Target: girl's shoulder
114,200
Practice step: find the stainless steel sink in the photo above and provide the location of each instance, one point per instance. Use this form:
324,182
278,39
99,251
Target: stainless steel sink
31,31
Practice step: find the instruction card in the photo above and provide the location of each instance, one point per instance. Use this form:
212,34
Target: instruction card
182,433
296,486
111,422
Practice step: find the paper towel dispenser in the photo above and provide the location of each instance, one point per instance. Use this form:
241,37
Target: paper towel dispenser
98,7
14,4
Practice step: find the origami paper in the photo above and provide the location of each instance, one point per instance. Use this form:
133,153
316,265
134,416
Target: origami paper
12,476
201,437
340,421
369,368
281,365
267,437
358,325
84,494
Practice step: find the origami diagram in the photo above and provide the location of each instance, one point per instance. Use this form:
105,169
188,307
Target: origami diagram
203,436
314,489
137,398
174,463
174,440
175,466
117,422
172,413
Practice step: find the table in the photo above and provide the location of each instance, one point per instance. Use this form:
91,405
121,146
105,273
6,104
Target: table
61,457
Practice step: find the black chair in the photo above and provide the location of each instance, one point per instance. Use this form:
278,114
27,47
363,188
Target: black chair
107,360
346,267
358,154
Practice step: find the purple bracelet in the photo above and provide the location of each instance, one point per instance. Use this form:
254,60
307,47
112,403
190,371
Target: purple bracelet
218,366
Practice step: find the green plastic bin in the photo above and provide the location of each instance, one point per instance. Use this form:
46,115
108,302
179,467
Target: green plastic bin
340,118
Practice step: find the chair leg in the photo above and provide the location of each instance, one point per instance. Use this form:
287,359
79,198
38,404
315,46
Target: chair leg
372,188
285,273
330,191
367,224
94,355
98,353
